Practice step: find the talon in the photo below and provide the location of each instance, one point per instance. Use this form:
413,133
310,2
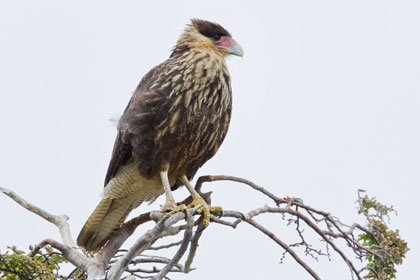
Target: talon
217,211
206,209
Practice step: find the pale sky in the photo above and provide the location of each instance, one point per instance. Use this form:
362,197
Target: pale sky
326,101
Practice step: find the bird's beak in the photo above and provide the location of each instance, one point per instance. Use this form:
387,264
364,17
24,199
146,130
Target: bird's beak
228,45
236,50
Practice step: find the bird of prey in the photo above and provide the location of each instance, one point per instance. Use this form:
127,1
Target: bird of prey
175,121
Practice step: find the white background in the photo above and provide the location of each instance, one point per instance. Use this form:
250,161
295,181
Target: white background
326,101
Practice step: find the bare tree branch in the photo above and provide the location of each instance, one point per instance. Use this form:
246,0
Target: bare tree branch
154,259
193,249
170,245
210,178
119,237
161,229
181,250
59,221
113,263
272,236
71,254
285,247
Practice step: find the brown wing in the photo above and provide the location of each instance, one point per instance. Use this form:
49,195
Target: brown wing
120,155
135,123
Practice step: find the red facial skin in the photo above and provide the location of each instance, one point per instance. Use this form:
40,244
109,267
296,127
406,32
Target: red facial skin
225,43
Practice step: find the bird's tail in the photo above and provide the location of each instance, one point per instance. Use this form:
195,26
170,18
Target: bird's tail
107,217
124,192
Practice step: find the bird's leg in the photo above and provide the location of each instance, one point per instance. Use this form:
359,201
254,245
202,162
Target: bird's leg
197,200
170,204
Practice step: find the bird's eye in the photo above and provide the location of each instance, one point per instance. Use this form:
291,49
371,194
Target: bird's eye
216,37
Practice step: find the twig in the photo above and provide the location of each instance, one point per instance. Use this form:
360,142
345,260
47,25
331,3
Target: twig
309,223
119,237
59,221
217,220
193,249
285,247
140,245
166,246
271,235
210,178
181,250
154,270
71,254
154,259
162,228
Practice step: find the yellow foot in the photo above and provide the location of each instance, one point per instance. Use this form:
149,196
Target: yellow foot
171,206
205,209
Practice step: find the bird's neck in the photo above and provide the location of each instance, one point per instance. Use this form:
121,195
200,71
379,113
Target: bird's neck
204,65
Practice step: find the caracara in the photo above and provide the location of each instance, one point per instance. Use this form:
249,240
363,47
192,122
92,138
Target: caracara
175,121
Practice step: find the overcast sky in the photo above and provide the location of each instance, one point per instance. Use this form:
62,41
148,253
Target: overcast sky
326,101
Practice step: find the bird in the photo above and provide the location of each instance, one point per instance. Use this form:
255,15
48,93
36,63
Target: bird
175,121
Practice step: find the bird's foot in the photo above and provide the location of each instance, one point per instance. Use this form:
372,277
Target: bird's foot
205,209
171,206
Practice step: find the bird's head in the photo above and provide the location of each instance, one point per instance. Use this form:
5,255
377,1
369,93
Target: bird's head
207,36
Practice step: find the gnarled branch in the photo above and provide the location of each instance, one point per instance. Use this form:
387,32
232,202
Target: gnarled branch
113,263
